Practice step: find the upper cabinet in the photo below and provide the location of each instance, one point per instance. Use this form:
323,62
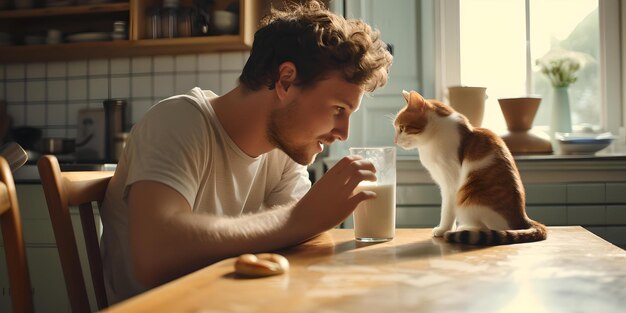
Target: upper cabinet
81,29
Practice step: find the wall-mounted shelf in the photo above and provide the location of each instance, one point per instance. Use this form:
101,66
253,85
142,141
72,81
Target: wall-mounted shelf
72,10
100,17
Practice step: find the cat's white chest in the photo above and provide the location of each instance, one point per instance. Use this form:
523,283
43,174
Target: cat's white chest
442,163
427,158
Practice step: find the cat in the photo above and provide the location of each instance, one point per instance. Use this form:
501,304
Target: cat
481,189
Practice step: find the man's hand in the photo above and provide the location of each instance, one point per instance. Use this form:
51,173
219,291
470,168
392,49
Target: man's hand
332,199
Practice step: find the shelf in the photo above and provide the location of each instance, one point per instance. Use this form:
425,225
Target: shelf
120,48
75,19
225,39
66,51
72,10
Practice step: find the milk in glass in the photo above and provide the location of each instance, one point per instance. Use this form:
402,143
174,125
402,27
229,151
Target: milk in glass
375,219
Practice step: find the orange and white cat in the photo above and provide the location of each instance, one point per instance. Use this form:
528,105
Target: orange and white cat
483,200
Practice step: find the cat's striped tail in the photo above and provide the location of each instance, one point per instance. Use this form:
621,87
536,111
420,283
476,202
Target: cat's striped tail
536,232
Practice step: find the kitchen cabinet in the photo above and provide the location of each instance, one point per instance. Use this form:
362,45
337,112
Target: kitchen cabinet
419,205
5,297
589,191
46,278
33,25
44,265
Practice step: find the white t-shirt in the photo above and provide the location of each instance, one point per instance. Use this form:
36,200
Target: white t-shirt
181,143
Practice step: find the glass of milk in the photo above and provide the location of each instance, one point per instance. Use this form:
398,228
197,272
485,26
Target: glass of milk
375,219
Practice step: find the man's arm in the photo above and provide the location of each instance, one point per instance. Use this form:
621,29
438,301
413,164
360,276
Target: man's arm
168,240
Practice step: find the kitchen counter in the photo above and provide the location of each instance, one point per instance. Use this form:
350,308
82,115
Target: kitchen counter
29,174
550,168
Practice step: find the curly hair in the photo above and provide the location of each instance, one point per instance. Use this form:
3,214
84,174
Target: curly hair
317,41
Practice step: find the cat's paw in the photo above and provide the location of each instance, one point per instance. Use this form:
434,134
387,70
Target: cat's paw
439,231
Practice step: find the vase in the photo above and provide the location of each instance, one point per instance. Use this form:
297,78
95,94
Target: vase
519,114
561,120
469,101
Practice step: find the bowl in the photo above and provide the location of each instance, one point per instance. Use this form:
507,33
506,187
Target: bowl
583,143
225,22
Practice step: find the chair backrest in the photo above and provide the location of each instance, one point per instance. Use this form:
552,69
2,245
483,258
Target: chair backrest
14,249
62,190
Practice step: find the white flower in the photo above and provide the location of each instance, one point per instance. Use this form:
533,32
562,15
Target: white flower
561,65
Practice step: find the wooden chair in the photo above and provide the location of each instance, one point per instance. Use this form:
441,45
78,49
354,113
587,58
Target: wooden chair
14,249
62,190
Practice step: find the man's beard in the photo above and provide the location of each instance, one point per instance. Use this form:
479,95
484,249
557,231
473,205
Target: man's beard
277,129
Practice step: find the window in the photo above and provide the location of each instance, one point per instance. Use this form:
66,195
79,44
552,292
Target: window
496,44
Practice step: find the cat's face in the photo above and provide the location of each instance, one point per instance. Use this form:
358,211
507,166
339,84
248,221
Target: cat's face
411,121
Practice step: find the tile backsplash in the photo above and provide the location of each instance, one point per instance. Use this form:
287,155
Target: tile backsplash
49,95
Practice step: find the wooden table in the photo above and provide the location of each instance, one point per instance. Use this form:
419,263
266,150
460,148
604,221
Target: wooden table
572,271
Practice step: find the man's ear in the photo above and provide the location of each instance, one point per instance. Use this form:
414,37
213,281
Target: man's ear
286,77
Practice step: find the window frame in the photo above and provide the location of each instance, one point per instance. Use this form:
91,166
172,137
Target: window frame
448,59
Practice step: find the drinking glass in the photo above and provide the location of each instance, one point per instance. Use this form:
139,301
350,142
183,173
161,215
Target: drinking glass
375,219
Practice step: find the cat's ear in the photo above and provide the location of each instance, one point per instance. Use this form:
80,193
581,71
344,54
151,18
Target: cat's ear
417,102
416,99
406,95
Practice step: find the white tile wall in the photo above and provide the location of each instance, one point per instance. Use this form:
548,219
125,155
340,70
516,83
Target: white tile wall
163,85
98,88
186,63
35,91
164,64
210,79
209,62
15,71
36,70
77,89
15,91
228,81
182,81
36,114
98,67
120,66
56,114
141,65
57,90
77,68
141,86
72,113
232,61
57,69
49,95
139,108
18,113
120,87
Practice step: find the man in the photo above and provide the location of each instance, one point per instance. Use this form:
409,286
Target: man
206,177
